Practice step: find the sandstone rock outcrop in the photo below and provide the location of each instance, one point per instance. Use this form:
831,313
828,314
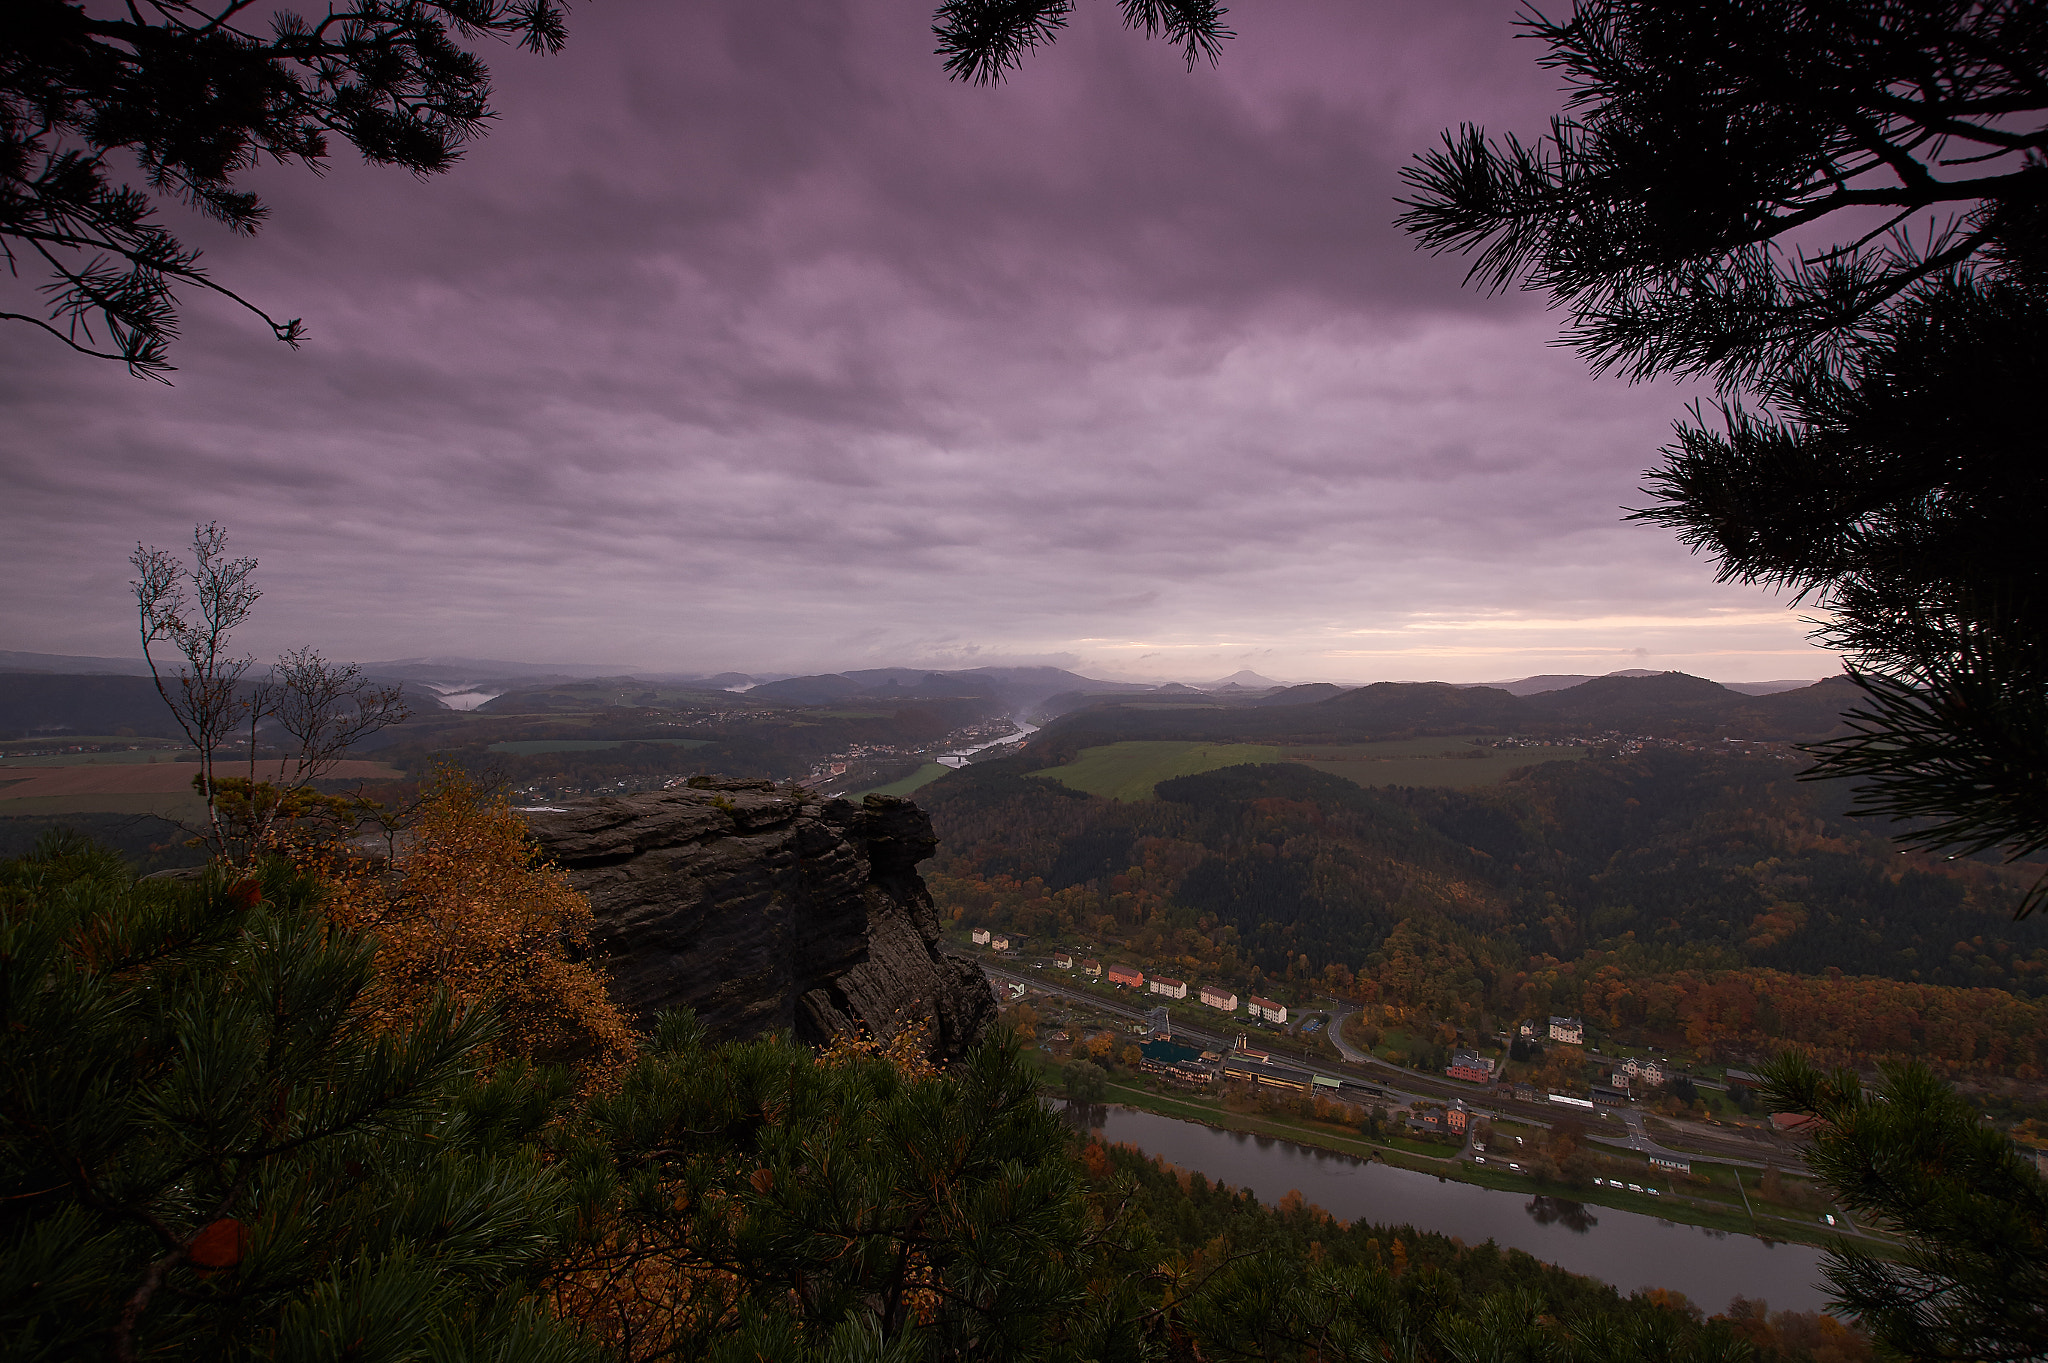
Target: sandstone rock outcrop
763,907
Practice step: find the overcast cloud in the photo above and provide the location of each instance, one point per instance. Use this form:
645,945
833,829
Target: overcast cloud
748,341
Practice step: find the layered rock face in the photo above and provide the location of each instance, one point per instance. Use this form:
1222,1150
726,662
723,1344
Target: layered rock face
762,907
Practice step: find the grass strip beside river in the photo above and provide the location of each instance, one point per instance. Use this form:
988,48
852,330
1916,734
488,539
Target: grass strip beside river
1672,1206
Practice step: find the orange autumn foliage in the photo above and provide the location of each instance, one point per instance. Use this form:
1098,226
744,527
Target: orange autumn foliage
469,907
908,1052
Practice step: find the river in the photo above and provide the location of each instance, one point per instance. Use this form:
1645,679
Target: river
961,755
1627,1249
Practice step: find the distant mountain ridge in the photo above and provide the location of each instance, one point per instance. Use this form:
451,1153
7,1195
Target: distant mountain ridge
33,697
1559,681
1672,705
71,664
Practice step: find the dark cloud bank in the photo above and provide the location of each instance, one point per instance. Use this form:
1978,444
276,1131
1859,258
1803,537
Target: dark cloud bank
748,340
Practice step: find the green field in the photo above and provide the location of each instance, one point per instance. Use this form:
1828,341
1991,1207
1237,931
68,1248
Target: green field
1129,771
1425,761
923,776
527,747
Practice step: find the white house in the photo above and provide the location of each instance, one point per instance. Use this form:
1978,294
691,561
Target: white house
1173,989
981,937
1000,943
1267,1009
1218,997
1570,1031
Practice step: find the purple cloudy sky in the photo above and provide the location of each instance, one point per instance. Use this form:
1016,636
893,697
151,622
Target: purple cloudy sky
749,341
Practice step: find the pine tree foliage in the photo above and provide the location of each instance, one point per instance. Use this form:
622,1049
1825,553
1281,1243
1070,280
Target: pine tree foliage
984,40
1910,1157
197,93
1899,498
1674,210
207,1151
1670,207
754,1193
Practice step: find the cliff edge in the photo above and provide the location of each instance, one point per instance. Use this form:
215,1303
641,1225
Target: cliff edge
763,907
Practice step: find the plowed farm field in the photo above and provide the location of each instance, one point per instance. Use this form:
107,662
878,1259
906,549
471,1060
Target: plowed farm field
136,787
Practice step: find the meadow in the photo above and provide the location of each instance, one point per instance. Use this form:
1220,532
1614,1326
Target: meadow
923,776
1130,771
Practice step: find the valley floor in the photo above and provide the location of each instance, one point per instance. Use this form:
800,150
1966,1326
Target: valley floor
1708,1209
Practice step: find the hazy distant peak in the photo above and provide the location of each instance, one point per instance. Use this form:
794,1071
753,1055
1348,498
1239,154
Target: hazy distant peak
71,664
1245,677
1772,688
1564,681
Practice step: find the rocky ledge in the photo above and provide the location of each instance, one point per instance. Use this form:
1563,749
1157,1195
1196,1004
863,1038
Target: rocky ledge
763,907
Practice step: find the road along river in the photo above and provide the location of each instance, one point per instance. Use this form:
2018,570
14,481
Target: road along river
1627,1249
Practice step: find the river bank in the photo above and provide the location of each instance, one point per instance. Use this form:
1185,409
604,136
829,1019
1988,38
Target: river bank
1630,1251
1767,1225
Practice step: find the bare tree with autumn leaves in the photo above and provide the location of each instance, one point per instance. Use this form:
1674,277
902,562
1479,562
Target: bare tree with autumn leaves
190,612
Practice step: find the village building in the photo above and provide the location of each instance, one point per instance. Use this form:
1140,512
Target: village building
1649,1072
1470,1066
1173,989
1215,996
1092,968
1603,1096
1123,974
1455,1118
1676,1166
1569,1031
981,937
1244,1070
1170,1059
1062,960
1527,1031
1267,1009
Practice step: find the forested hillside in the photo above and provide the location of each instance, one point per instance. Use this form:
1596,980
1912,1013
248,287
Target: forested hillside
1691,894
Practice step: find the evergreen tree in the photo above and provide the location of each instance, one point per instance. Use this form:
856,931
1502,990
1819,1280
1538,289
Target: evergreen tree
764,1202
1668,211
206,1151
1698,139
1911,1158
1899,496
198,94
983,40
